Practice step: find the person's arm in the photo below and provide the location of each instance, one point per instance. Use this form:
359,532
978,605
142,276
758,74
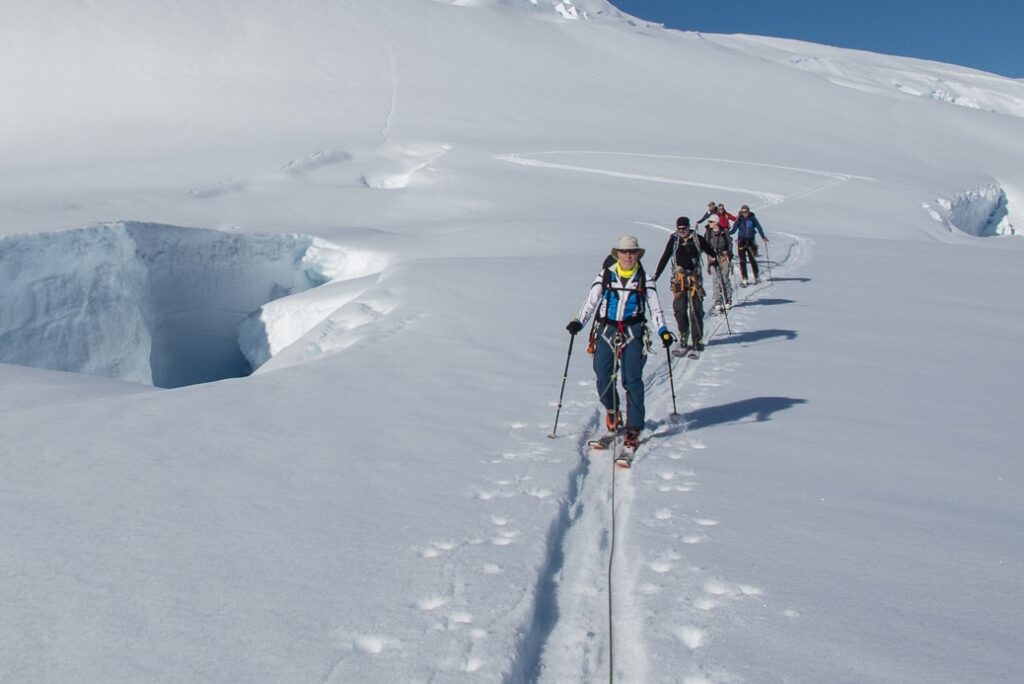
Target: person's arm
703,218
592,300
654,306
757,224
663,261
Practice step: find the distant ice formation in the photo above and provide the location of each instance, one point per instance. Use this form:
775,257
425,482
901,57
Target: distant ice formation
983,211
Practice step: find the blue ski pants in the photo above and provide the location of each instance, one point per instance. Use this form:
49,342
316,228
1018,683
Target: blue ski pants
631,362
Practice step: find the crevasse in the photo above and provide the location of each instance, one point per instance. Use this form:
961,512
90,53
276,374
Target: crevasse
151,303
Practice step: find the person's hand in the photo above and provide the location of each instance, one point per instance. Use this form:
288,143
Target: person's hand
574,327
765,239
666,337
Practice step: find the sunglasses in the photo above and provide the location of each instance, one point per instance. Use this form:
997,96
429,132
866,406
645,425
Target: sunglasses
632,252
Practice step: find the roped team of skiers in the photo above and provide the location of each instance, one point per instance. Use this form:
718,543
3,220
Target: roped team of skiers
623,294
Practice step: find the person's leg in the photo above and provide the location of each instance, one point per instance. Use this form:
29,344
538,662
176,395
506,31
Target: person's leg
742,248
633,360
726,271
682,316
697,319
604,360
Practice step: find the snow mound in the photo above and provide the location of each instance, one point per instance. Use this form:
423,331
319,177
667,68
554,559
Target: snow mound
331,155
982,212
393,166
152,303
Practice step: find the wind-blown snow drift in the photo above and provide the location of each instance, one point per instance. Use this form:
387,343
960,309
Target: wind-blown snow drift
153,303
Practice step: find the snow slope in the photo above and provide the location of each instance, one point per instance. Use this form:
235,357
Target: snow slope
400,204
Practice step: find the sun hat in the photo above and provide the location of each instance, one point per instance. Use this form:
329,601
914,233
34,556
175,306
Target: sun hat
628,242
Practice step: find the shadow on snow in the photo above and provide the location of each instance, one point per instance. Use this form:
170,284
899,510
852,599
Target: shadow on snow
755,410
765,302
753,336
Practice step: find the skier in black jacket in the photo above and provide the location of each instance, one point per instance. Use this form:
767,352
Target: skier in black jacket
684,249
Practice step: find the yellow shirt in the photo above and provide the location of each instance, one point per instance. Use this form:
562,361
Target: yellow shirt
623,273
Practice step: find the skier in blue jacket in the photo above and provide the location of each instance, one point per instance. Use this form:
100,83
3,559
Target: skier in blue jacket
746,228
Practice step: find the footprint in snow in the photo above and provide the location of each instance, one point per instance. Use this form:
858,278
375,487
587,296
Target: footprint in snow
458,619
705,604
663,514
491,569
691,636
505,537
660,566
430,603
436,548
369,644
706,522
729,590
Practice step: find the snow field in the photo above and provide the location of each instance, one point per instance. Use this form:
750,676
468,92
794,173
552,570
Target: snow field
379,501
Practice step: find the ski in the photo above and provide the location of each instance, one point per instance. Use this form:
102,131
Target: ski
625,459
601,443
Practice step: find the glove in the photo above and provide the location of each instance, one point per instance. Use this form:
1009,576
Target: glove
574,327
666,337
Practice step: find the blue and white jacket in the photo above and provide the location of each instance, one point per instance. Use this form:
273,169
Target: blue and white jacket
624,300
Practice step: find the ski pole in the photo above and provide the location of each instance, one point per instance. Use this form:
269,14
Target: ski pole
768,261
671,382
565,374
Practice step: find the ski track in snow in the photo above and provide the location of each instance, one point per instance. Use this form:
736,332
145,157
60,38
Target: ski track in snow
768,198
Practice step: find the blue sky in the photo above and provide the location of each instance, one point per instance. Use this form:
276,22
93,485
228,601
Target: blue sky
987,34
